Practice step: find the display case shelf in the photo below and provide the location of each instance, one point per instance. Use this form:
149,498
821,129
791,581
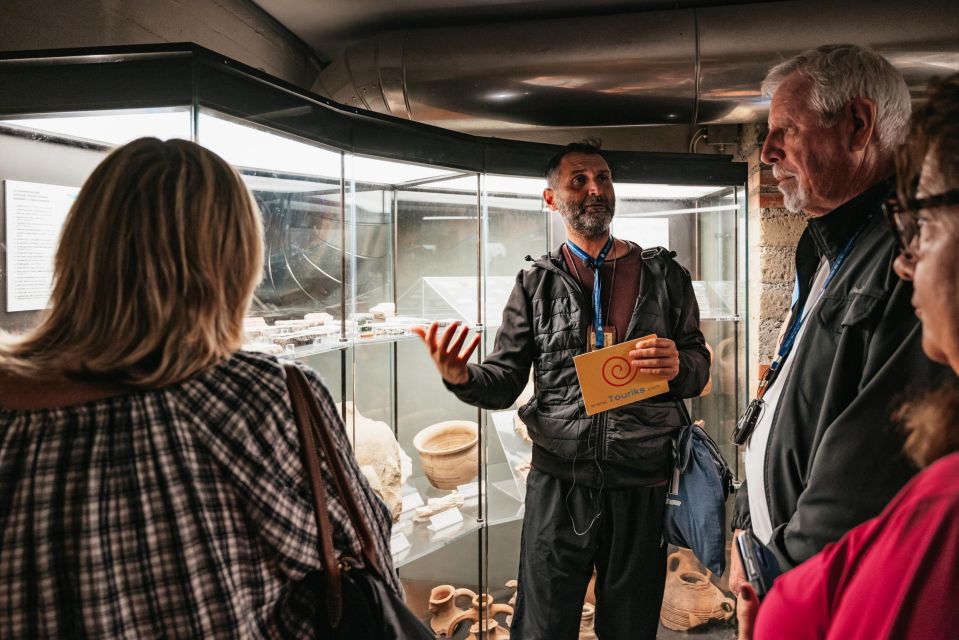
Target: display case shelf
422,540
309,350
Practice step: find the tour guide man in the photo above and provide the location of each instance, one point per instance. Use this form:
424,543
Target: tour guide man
596,492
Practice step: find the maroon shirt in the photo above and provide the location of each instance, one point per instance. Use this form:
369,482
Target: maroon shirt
619,297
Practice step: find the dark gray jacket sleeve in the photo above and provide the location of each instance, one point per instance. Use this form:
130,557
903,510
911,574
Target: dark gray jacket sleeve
497,382
859,464
693,356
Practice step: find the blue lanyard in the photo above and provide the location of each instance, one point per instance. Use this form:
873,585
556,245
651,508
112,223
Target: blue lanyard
800,318
594,264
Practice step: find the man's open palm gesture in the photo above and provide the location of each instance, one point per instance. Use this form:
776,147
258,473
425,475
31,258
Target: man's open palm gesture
448,352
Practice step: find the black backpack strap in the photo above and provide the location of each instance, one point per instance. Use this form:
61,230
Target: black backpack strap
656,259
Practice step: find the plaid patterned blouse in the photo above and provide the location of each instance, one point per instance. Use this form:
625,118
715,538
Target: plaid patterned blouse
183,512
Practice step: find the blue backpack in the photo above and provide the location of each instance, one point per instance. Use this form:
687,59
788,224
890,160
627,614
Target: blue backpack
695,516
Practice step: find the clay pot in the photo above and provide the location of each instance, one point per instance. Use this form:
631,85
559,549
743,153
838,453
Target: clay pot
492,630
443,609
690,599
482,615
586,623
511,584
449,453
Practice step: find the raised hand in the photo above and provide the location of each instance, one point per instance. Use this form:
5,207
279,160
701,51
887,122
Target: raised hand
447,351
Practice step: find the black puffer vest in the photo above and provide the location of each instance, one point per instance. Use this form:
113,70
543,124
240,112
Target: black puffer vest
544,325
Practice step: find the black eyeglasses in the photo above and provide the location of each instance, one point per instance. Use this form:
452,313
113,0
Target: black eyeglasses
904,218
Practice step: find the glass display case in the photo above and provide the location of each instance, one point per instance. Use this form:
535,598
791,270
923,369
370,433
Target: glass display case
373,226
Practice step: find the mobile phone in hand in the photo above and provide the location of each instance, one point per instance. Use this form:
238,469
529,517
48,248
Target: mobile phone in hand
760,565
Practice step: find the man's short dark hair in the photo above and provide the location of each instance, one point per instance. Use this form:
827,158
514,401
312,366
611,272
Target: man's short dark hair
589,146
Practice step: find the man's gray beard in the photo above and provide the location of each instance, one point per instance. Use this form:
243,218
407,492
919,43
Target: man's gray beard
795,197
589,223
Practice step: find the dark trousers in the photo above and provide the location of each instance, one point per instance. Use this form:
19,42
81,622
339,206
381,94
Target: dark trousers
624,543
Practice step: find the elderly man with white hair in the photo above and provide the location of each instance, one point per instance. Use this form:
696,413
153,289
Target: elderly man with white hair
822,454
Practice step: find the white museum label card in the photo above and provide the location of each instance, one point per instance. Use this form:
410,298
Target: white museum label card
399,543
445,519
412,500
34,216
468,491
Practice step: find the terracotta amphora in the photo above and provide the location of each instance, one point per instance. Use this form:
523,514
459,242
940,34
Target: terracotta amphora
690,599
443,609
586,623
511,584
492,630
482,615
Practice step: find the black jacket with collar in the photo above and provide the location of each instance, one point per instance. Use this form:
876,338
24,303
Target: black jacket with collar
834,457
545,324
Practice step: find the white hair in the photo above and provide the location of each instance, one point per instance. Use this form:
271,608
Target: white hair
842,72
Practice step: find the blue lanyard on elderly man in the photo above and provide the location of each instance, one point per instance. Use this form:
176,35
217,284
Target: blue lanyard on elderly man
594,264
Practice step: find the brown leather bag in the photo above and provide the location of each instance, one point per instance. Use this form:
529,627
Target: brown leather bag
358,603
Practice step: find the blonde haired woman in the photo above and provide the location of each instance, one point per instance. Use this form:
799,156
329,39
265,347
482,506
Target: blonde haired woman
150,474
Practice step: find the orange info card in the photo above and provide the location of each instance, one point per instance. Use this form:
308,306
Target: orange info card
608,381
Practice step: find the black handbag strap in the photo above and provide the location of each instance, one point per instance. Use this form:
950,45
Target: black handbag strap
313,438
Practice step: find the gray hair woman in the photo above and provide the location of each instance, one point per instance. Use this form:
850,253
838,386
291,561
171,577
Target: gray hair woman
895,576
150,475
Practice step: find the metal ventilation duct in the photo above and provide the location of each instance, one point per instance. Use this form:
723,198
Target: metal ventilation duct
644,68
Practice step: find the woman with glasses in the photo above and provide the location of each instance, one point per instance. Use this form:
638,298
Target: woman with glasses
896,576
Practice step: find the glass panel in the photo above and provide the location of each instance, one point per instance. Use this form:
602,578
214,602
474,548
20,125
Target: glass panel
702,225
413,256
437,249
44,160
297,308
705,227
517,226
110,128
721,296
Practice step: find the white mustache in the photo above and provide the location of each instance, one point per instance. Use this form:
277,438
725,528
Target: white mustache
780,173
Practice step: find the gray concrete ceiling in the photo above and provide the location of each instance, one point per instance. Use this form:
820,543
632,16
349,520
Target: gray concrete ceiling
327,26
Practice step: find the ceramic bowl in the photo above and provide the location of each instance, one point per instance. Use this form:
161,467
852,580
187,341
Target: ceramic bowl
449,452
